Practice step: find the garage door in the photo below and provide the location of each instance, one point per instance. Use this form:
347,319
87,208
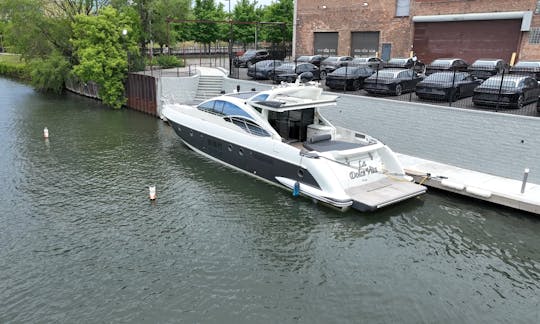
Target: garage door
364,43
469,40
326,43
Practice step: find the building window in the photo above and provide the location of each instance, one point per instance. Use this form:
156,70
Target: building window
534,35
402,8
537,7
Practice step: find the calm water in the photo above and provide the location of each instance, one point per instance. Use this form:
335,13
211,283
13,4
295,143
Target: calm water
81,243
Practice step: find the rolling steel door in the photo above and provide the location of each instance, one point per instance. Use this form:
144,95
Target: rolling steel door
469,40
364,43
325,43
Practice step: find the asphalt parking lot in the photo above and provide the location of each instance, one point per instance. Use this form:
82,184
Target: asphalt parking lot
465,103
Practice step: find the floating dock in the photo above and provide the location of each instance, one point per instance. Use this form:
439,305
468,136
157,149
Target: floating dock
487,187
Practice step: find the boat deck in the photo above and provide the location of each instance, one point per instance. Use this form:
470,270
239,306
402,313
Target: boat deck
383,192
495,189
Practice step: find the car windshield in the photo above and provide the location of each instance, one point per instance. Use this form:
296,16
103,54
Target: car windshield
397,61
527,64
496,83
484,63
441,63
250,53
385,74
331,59
346,70
265,63
287,66
444,77
360,59
303,59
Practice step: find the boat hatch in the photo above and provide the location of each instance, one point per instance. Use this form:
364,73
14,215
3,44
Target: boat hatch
383,192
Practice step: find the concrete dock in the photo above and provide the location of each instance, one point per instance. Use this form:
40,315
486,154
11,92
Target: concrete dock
478,185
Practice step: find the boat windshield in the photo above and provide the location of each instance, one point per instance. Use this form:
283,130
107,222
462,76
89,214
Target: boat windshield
222,108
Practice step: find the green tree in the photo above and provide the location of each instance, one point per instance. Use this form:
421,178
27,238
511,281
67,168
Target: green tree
161,11
245,11
37,28
280,11
49,74
207,33
101,48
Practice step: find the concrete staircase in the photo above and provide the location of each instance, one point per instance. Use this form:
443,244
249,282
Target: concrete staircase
209,86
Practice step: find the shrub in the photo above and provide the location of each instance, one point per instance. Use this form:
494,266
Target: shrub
169,61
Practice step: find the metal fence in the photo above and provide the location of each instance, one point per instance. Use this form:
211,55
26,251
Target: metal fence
481,88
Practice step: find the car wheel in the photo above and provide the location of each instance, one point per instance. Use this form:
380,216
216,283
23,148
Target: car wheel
520,101
399,90
322,76
455,95
356,85
270,76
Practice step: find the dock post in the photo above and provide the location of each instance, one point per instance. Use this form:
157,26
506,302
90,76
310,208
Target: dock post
524,183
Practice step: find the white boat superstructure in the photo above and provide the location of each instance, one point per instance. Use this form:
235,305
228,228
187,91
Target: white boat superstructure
279,136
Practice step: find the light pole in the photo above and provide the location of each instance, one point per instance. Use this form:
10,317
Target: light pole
124,36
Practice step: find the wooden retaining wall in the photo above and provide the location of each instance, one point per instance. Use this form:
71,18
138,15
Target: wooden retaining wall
141,93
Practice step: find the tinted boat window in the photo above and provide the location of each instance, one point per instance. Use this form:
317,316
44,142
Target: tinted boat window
208,106
218,107
230,109
261,97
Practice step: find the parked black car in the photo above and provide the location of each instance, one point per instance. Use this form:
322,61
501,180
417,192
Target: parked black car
348,77
449,86
530,68
372,62
392,81
288,72
538,105
313,59
511,91
251,57
406,63
331,63
446,64
263,69
486,68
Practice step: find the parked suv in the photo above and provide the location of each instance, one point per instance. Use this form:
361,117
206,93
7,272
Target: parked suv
253,56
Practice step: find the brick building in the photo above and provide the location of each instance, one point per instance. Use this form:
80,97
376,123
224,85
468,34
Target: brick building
469,29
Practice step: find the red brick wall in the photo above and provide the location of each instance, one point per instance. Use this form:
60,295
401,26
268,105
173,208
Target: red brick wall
346,16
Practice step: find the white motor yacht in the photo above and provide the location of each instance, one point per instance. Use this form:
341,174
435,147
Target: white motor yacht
280,136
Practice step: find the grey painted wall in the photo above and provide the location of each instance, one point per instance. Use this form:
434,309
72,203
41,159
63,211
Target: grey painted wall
488,142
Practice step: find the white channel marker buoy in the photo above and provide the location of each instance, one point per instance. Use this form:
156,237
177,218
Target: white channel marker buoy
46,132
152,191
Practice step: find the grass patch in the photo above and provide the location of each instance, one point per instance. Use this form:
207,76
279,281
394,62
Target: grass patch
11,66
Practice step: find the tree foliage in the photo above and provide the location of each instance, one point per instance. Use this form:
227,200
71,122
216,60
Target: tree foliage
245,11
279,11
102,52
49,74
207,10
161,11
